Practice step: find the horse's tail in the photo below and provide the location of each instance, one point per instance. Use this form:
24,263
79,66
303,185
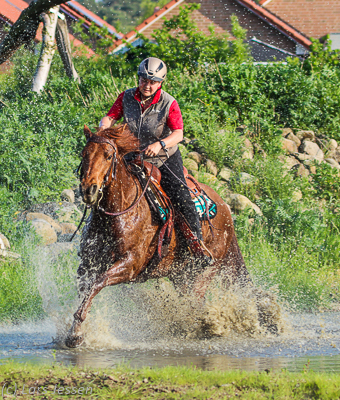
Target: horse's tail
235,270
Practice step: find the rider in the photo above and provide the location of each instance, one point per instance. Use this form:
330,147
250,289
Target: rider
155,118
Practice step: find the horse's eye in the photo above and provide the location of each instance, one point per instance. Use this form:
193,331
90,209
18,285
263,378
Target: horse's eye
109,158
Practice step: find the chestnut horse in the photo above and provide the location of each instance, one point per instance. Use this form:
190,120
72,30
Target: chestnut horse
118,249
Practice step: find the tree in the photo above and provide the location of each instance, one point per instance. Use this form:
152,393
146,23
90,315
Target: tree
24,31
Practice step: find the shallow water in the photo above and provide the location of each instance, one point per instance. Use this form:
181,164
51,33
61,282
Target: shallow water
313,342
151,325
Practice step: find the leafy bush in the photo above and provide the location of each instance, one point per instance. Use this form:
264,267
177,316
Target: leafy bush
326,181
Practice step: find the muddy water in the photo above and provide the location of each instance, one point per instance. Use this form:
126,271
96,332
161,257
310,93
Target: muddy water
310,341
151,325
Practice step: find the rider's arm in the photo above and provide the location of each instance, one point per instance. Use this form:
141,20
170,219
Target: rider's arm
175,137
106,122
115,113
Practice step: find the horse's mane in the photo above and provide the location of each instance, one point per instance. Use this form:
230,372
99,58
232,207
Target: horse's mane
124,139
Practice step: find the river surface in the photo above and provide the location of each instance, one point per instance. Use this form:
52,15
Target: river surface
312,342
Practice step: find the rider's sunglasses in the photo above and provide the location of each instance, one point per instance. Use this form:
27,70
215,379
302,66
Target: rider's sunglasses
144,81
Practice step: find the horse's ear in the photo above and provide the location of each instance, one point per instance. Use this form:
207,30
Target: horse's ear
87,132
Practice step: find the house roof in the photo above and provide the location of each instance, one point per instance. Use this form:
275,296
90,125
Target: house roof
320,17
10,11
146,23
256,9
277,22
84,12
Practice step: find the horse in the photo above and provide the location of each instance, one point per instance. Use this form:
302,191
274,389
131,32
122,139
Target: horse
119,248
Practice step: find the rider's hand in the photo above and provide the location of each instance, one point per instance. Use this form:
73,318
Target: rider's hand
153,149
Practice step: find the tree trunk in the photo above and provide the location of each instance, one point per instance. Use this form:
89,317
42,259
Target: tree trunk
25,28
64,47
47,49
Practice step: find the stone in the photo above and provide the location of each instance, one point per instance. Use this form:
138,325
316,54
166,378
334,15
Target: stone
286,132
248,154
207,178
293,138
194,155
45,230
288,162
305,135
4,242
211,167
68,213
68,227
190,164
310,165
186,141
311,149
332,163
289,146
258,149
335,154
35,215
9,254
246,179
225,174
303,157
302,171
67,195
296,195
331,145
242,128
238,202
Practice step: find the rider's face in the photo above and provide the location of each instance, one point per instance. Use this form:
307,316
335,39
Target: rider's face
148,87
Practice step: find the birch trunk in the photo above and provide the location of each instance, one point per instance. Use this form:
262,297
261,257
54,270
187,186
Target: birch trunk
50,19
64,48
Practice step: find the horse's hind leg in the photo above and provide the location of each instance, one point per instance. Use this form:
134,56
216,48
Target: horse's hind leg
234,270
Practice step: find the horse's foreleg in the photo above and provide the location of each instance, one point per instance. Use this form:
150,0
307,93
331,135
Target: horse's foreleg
202,281
118,273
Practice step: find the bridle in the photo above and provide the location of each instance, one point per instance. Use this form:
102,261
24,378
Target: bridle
112,169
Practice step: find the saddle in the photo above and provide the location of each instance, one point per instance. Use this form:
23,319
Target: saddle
171,217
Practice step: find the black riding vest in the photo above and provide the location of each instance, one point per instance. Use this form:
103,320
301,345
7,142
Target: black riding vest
151,125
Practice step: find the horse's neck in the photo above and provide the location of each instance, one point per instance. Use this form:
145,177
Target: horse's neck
122,191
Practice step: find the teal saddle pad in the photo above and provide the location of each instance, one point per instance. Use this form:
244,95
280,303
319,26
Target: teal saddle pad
202,202
201,208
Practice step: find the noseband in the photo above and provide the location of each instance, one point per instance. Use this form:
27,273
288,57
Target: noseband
99,139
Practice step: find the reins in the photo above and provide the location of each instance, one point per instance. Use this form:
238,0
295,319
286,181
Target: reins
101,140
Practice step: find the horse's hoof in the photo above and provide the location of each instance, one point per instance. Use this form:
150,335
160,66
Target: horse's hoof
74,341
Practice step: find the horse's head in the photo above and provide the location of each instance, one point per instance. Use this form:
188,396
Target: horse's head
100,156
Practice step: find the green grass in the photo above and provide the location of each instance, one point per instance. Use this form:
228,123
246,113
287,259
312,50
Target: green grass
166,383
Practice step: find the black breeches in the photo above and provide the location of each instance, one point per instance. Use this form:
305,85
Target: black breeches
178,193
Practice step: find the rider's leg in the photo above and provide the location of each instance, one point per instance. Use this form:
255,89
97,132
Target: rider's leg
178,193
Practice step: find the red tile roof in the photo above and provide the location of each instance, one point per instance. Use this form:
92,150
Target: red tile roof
92,17
159,14
261,12
10,11
277,22
314,18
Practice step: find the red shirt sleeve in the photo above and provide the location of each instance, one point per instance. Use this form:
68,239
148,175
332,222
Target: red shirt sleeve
116,111
175,120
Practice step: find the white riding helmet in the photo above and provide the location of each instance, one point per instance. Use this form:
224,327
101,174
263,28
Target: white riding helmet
152,68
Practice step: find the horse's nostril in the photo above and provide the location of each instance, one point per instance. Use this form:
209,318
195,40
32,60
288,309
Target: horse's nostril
92,190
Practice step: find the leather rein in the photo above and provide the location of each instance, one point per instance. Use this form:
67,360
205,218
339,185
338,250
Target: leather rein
112,169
